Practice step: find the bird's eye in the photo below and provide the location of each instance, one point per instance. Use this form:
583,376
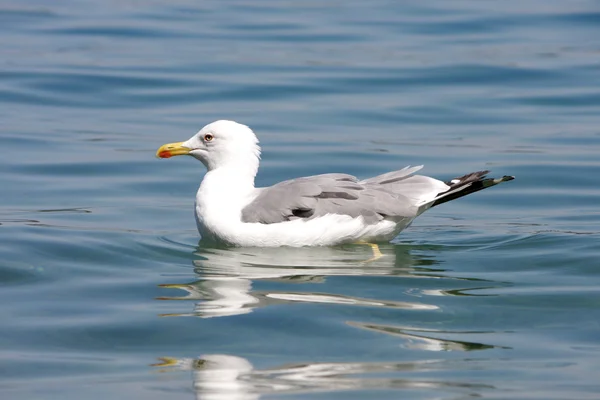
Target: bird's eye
208,137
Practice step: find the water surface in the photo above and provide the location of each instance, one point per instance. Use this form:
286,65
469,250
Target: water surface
105,290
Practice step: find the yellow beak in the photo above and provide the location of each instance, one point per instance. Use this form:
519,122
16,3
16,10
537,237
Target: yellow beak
172,149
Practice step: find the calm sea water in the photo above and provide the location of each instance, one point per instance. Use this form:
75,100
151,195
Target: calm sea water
106,293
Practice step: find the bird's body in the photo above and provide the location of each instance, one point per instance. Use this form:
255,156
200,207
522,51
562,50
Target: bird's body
319,210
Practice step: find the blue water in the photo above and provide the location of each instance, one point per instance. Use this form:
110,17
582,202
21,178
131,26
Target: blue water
106,293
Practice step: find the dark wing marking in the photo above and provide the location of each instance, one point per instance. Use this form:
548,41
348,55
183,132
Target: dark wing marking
468,184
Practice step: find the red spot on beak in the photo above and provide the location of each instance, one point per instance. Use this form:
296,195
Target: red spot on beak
165,154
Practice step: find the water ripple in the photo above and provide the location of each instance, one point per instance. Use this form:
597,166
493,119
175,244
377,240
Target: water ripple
98,239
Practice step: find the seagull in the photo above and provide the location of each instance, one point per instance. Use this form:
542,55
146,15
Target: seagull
320,210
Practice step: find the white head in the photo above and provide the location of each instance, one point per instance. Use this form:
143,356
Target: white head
221,144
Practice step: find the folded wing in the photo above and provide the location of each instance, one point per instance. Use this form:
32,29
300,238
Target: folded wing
394,195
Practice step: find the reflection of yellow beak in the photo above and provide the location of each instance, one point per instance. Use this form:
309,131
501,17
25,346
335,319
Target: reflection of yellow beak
172,149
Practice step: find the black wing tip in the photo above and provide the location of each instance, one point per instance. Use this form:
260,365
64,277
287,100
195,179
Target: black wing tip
477,176
468,178
468,184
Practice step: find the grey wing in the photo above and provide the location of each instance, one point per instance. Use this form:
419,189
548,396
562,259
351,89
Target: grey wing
420,189
394,176
319,195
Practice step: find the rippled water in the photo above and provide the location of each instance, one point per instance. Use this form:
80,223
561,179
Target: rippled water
105,291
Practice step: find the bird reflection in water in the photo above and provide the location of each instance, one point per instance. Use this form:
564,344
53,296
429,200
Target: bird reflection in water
222,376
227,275
422,339
225,288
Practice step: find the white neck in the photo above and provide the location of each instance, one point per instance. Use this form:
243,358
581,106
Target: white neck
227,185
222,195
